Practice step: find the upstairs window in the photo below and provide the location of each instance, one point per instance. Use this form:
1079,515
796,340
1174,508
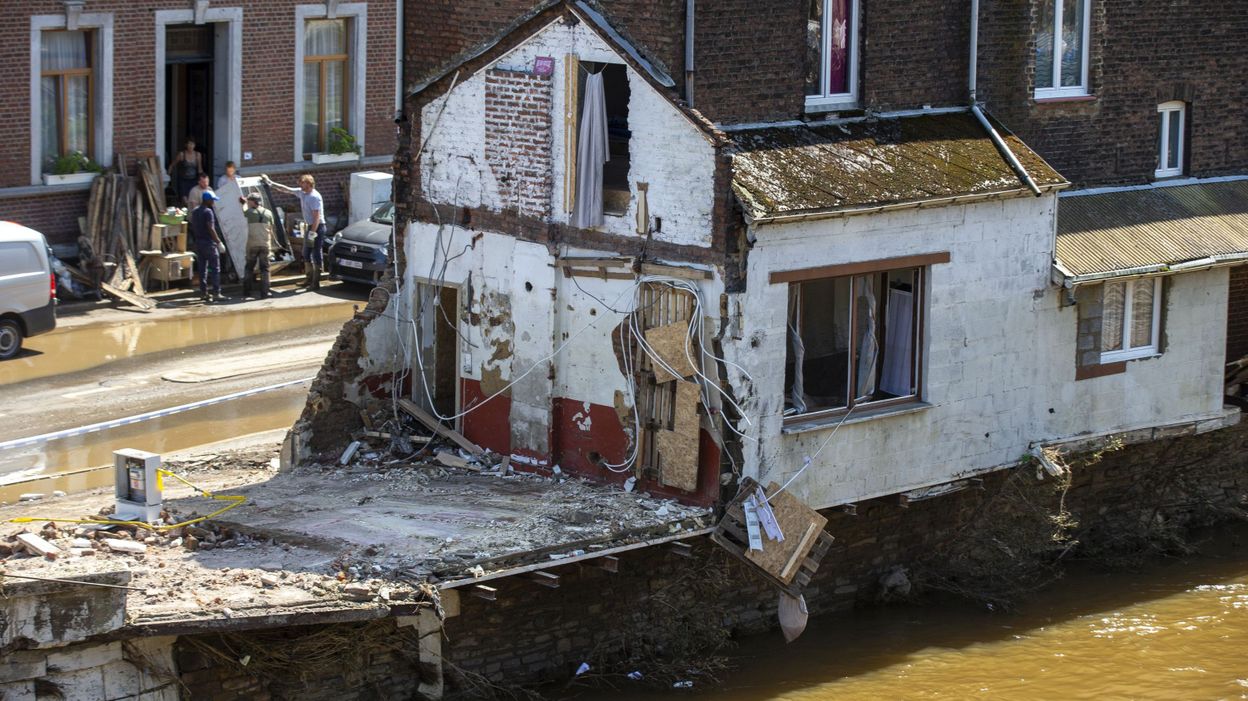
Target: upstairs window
326,86
832,53
852,341
1062,48
1131,319
1171,131
598,181
66,87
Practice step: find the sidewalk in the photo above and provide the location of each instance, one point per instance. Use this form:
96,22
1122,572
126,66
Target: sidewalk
185,302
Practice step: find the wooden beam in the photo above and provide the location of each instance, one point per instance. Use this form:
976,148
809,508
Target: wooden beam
682,549
546,579
848,509
861,268
607,563
679,271
434,425
482,591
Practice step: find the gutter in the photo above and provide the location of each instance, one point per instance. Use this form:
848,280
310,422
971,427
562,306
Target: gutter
971,81
1221,260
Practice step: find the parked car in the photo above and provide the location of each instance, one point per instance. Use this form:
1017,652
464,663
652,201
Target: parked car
361,252
27,287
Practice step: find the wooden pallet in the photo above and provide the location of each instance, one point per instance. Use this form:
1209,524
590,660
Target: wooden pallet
732,535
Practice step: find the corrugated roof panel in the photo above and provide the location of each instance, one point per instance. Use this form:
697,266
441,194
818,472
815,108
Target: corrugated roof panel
1118,231
825,167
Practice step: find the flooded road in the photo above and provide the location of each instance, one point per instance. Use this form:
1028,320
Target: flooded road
1178,630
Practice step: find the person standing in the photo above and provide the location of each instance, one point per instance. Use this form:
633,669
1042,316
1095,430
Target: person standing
229,176
313,209
185,170
196,195
259,232
208,248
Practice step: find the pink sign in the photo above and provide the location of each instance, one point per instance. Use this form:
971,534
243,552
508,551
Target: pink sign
543,66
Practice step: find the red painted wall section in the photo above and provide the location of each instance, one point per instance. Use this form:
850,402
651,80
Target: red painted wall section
489,424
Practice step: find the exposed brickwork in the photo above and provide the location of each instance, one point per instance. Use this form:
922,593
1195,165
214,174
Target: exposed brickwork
267,92
1237,321
518,139
1142,54
914,53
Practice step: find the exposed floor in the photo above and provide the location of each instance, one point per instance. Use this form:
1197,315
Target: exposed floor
335,539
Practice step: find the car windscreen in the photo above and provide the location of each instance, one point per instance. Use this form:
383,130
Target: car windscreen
384,214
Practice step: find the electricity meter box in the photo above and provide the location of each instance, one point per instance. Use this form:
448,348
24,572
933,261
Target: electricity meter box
137,485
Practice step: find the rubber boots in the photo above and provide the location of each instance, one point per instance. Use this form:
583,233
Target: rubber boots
307,274
316,276
264,284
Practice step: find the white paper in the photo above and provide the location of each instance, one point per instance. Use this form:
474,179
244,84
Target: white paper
751,524
767,518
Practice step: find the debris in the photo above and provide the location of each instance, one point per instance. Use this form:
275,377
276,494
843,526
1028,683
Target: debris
175,543
80,543
433,425
476,571
630,483
683,684
349,453
124,546
82,552
452,460
38,546
58,493
31,496
269,580
635,675
357,592
662,511
582,669
793,615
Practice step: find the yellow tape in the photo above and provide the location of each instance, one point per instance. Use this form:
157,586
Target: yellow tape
235,501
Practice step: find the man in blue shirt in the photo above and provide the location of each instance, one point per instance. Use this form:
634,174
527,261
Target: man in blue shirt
313,209
208,248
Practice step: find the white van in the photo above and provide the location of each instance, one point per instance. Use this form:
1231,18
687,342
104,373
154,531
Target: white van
27,287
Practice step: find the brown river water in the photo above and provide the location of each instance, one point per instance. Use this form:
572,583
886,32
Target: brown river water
1176,630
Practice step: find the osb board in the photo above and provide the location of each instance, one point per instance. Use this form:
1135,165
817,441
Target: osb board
678,448
670,343
801,526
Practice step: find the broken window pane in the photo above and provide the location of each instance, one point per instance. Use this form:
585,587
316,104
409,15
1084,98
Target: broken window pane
1113,300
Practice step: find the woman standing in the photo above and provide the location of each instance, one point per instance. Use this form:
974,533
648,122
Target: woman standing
185,170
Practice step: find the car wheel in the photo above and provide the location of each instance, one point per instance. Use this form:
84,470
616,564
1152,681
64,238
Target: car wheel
10,338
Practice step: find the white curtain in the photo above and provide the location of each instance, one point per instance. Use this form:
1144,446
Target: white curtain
1113,307
868,345
899,337
66,99
323,38
797,350
591,155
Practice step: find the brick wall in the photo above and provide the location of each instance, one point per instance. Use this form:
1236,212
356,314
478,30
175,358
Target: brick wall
1237,318
267,93
517,139
1142,54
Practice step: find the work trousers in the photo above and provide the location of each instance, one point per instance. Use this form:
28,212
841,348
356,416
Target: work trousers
208,264
312,251
258,261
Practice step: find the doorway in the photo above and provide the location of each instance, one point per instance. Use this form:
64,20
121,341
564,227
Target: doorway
437,314
196,85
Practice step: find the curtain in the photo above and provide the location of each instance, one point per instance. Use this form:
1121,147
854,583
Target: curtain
868,345
797,350
312,107
814,48
591,155
325,37
898,340
1112,310
62,51
838,58
1142,313
334,86
66,99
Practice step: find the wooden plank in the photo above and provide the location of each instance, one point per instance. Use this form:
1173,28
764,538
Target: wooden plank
573,272
678,448
607,563
481,591
800,524
597,262
142,303
679,271
549,580
451,460
433,425
861,268
671,344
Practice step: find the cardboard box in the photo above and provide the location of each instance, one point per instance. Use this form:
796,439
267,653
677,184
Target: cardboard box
173,266
155,238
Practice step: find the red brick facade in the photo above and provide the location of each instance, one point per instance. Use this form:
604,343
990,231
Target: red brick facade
517,139
1237,319
268,97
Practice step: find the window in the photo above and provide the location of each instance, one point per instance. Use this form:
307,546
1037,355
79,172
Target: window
597,182
1062,48
66,89
1131,319
325,82
853,341
1170,118
832,53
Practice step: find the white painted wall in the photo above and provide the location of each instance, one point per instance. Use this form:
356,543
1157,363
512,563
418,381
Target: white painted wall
667,151
1000,353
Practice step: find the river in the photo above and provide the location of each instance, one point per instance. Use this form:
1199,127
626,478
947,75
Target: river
1175,630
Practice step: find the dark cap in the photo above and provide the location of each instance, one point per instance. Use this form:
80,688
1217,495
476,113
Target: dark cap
254,197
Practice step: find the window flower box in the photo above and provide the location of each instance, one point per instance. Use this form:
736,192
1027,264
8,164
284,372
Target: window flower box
70,179
325,158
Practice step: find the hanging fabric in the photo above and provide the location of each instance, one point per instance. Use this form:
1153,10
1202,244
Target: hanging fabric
797,394
898,340
592,154
868,345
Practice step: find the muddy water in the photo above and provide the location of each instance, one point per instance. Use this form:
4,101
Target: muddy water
84,347
1173,631
40,468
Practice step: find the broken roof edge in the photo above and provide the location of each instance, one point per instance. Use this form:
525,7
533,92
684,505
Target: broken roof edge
1221,260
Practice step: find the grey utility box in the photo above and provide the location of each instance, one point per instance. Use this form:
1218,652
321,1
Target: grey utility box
137,484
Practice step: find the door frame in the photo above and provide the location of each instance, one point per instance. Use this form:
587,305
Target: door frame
417,392
227,79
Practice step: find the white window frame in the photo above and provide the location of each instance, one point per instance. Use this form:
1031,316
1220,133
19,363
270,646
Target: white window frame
357,13
1167,110
826,101
102,74
1127,352
1080,90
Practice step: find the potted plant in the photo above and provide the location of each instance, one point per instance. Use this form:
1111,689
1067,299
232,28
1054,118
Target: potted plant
72,168
342,148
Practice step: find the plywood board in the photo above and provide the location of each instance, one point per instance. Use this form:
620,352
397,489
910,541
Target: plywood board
801,526
233,223
671,343
678,448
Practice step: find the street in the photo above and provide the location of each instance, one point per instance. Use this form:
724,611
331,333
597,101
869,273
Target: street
107,364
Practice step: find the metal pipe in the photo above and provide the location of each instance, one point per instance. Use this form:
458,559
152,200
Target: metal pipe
690,11
1006,153
971,77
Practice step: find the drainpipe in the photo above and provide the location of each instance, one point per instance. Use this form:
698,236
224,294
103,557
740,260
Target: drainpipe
971,79
690,8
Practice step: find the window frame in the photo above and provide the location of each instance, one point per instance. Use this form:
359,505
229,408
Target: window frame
62,78
828,101
347,83
1057,90
917,347
1167,110
1128,352
356,75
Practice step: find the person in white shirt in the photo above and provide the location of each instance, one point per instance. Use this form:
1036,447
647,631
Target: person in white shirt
313,209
